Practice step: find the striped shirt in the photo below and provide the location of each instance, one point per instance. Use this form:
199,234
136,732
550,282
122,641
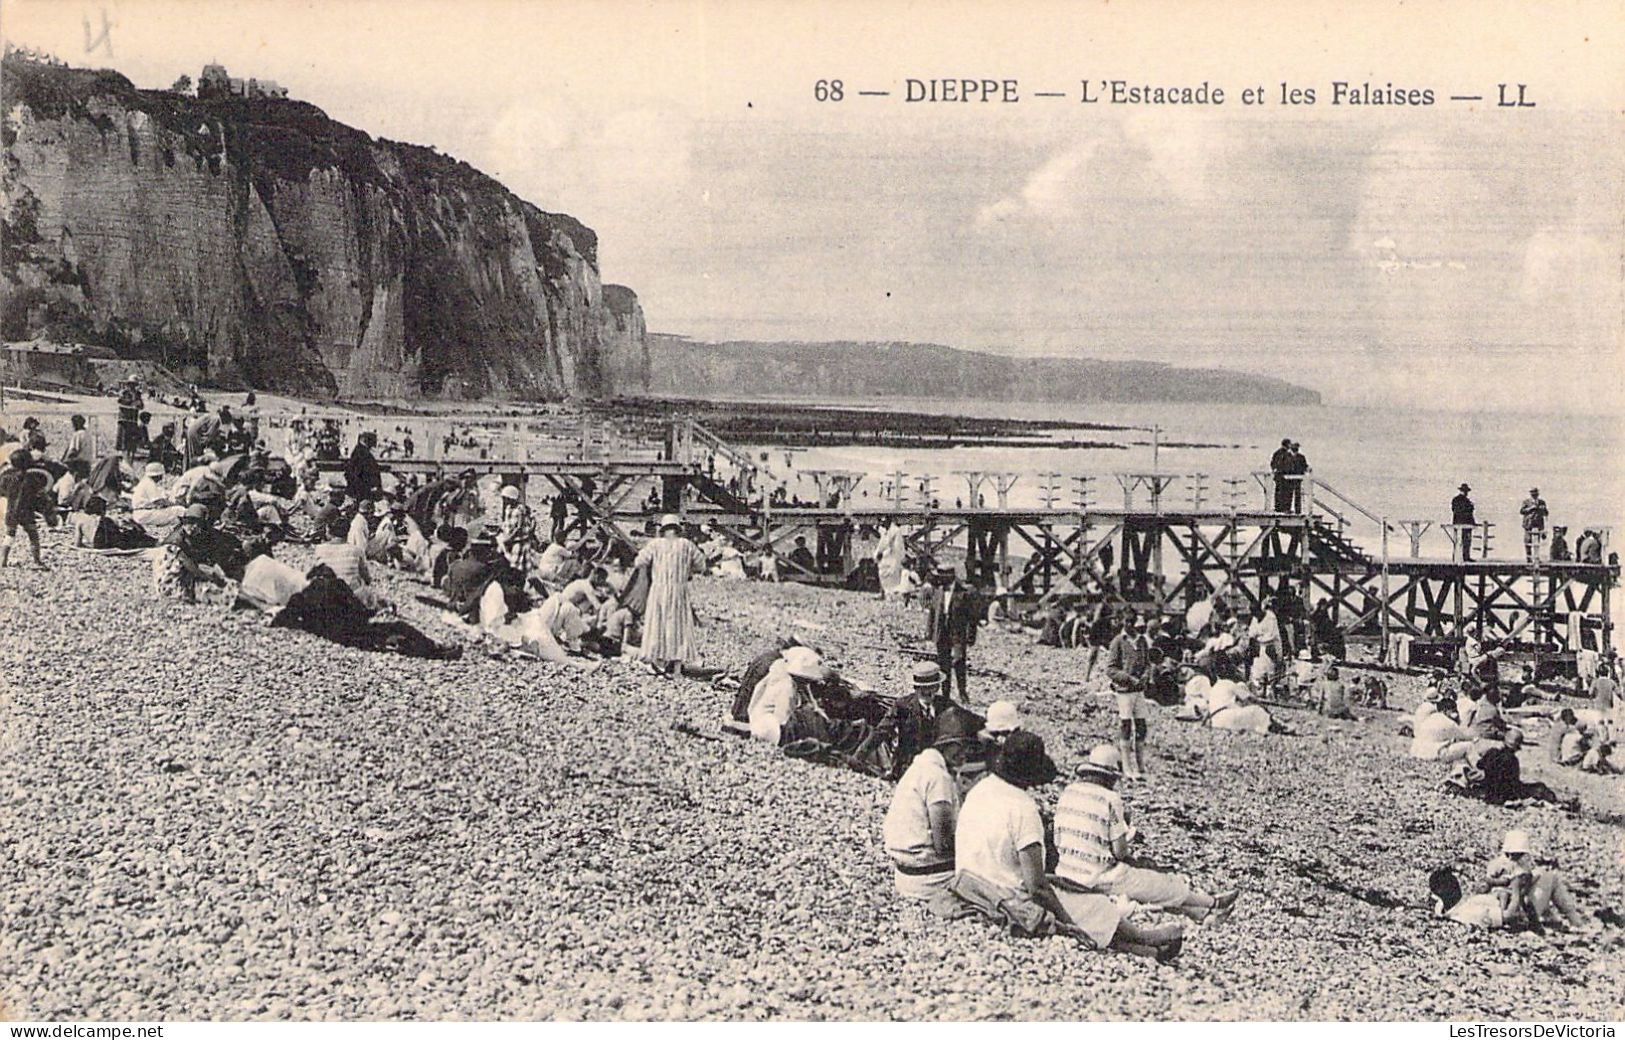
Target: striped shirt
346,561
1088,819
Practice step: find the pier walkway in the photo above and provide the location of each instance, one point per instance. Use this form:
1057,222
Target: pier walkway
1148,553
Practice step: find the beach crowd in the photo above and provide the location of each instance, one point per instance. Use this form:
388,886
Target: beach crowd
982,821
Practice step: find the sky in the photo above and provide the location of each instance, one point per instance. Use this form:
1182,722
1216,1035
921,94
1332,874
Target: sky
1459,254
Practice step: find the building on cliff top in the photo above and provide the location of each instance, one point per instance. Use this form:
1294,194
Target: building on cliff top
216,82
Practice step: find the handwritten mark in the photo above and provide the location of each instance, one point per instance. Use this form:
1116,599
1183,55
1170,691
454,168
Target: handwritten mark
104,41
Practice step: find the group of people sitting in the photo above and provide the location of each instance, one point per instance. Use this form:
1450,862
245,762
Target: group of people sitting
1473,721
966,836
964,833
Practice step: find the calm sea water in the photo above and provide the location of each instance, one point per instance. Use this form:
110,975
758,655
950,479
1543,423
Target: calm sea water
1402,464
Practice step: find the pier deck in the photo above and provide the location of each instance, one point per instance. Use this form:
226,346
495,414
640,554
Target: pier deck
1146,556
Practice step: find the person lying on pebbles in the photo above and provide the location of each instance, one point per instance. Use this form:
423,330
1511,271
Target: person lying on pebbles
1225,704
1490,770
805,707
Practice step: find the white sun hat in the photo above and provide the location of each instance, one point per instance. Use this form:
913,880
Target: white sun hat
1002,718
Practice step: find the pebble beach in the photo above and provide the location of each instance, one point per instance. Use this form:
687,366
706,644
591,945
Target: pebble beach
202,817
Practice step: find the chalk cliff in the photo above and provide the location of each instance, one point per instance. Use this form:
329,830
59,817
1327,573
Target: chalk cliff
255,241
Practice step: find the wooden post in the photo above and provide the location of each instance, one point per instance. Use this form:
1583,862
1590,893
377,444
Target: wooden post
1157,530
1482,591
1460,589
1605,642
1004,554
1382,607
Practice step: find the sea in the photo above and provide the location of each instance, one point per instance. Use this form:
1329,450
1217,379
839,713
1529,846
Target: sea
1397,463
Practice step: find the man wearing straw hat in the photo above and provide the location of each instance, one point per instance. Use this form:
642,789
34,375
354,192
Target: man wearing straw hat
953,613
918,716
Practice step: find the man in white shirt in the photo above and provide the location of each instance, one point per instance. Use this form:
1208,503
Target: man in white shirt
360,533
1264,636
555,564
1092,835
919,826
1439,737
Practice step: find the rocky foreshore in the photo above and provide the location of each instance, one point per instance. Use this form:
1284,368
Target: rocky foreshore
207,818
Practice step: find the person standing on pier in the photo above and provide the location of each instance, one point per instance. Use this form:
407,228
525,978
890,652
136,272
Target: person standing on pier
953,613
1533,512
1461,518
1297,469
668,619
1280,464
1560,545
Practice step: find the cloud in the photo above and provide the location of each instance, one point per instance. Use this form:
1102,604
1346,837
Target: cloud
1050,192
1182,151
1156,157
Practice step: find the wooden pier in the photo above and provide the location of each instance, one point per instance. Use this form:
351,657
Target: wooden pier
1143,554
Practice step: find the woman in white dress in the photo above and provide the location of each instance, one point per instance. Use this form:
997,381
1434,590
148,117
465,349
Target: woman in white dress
668,620
891,559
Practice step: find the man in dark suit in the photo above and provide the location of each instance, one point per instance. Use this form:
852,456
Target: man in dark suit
362,476
917,716
1461,516
953,613
1280,465
1297,467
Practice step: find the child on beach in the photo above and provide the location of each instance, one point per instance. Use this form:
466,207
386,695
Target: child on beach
1532,893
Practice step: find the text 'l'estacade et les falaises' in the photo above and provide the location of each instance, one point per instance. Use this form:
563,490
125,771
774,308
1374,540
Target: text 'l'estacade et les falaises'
1127,92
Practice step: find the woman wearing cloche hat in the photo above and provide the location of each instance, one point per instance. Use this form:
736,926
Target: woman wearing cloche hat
151,504
668,620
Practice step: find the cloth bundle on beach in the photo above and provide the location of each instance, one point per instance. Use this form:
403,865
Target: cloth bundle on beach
868,748
269,584
857,730
327,607
635,597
